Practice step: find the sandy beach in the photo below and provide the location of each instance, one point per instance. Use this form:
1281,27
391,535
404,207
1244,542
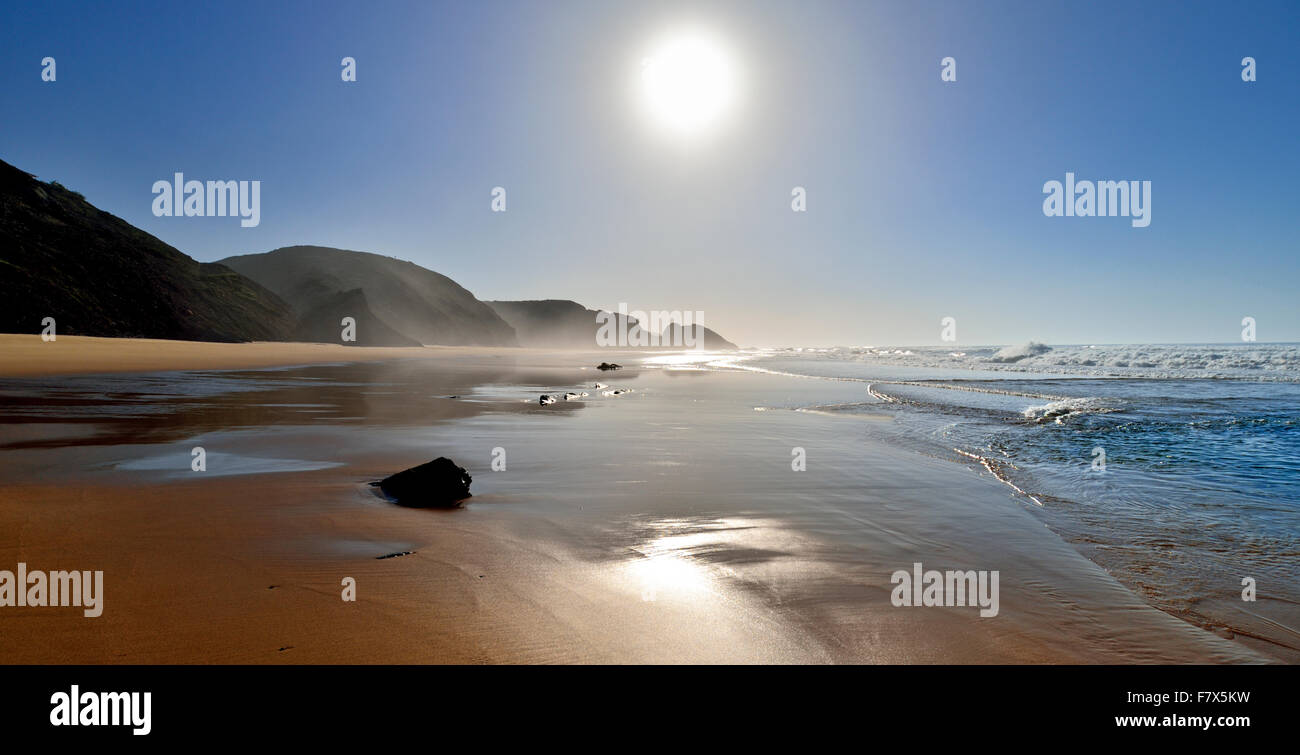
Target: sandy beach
662,526
26,355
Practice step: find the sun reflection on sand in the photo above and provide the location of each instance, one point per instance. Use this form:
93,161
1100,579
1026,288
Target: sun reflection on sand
689,558
687,360
669,575
703,587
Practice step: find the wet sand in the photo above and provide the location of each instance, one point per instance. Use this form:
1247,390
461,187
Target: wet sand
662,526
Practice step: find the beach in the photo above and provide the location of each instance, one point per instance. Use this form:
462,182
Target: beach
27,355
665,525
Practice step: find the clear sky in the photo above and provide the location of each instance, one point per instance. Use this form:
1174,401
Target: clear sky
924,198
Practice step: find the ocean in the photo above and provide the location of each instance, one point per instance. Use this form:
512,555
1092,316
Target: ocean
1174,467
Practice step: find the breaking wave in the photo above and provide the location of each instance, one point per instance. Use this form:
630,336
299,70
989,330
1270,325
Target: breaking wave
1012,354
1245,361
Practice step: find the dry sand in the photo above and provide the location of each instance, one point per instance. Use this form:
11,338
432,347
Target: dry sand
25,355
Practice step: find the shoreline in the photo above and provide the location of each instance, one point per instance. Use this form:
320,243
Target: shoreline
552,562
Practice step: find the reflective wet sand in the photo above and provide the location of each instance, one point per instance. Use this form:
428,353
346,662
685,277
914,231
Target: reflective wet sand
664,525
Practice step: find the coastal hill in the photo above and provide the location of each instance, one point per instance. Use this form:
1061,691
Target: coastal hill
564,324
550,323
403,300
322,323
98,275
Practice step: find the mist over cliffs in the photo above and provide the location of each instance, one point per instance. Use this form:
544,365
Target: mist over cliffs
400,297
564,324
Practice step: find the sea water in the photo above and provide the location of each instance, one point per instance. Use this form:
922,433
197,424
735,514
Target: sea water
1175,467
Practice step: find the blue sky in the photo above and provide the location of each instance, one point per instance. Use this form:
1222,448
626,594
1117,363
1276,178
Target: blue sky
924,197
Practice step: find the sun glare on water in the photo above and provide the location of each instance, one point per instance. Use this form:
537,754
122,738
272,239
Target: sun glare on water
688,83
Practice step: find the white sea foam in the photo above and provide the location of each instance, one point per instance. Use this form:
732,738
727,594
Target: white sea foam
1016,353
1060,411
1246,361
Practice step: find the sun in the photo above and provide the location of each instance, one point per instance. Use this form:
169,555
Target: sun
688,82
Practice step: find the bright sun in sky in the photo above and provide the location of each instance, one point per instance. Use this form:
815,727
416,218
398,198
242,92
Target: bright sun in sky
688,82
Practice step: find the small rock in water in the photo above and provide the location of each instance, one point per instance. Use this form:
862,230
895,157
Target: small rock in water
393,555
436,484
609,366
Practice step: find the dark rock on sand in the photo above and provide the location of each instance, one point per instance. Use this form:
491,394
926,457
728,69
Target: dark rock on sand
609,366
435,484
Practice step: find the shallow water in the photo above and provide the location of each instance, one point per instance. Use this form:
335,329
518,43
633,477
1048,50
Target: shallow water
1180,487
